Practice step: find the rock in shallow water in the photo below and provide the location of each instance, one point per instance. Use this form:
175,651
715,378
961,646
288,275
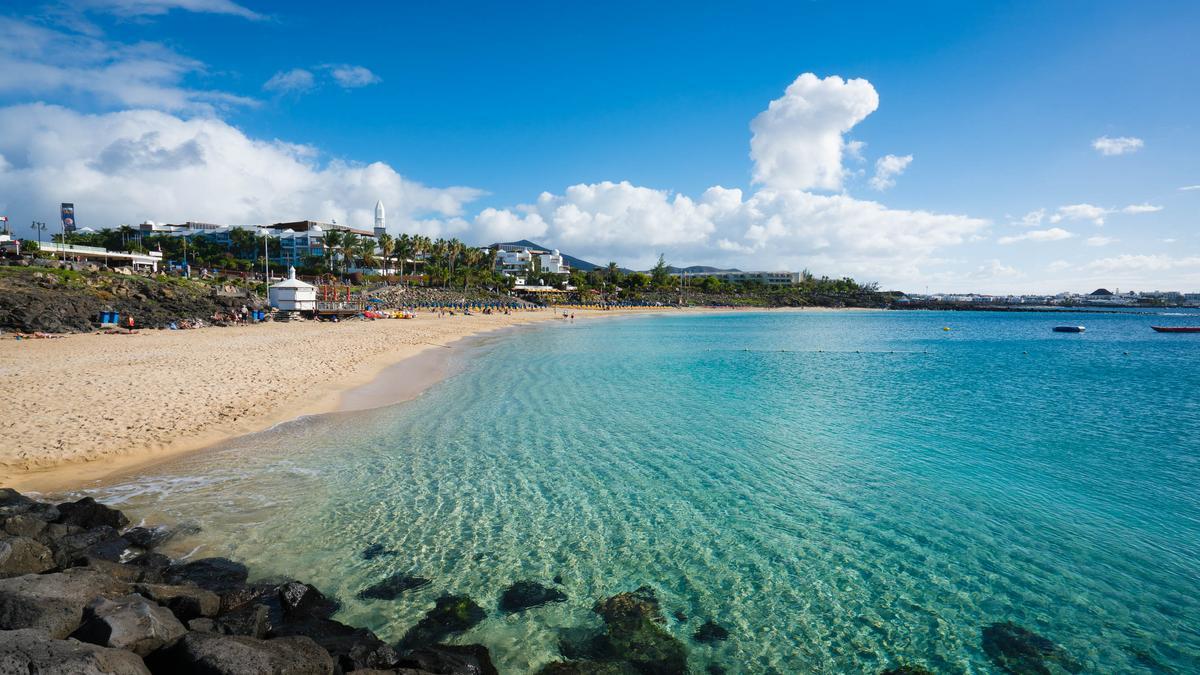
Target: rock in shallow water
219,575
588,668
450,659
392,587
451,614
375,550
634,640
33,651
528,594
1018,650
153,537
710,632
88,513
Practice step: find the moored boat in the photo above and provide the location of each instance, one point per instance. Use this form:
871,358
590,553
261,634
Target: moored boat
1069,329
1177,329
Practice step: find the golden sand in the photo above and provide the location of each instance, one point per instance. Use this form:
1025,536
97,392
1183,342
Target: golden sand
84,406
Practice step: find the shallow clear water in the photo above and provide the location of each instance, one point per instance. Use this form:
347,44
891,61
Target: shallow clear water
842,491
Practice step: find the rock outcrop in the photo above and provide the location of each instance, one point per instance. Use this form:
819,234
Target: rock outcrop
84,595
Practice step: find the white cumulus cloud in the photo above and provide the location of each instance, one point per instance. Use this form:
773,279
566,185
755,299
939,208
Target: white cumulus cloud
1122,145
886,170
127,166
1100,241
798,140
122,167
778,229
1051,234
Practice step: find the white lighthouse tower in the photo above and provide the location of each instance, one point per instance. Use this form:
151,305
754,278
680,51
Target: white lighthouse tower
380,225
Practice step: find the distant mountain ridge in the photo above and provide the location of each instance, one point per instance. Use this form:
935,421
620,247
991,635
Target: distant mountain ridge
575,263
585,266
700,269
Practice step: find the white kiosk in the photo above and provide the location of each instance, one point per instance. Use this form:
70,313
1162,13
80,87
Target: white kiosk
293,295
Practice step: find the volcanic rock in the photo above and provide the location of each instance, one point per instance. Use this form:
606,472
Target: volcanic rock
1018,650
526,594
393,586
33,651
131,623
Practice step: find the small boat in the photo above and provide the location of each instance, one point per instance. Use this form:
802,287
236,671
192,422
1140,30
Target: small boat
1176,329
1069,329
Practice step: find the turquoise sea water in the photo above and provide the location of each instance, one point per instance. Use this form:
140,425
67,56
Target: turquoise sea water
843,491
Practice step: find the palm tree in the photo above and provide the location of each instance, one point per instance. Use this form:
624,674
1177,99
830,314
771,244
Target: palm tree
454,249
346,250
422,249
364,250
438,252
403,248
386,246
333,242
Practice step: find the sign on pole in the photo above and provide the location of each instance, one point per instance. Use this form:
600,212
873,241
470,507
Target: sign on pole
68,217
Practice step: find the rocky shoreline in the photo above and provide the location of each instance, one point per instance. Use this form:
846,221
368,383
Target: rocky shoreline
82,592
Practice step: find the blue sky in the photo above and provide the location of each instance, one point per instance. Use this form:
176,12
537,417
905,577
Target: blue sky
603,129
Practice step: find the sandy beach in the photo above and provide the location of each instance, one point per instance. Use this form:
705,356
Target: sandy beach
84,406
88,406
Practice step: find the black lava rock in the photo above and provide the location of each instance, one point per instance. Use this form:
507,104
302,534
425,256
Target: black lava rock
393,586
527,594
634,636
352,648
219,575
1018,650
710,632
88,513
473,659
375,550
450,615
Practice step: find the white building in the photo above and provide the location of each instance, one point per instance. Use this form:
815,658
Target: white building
291,294
514,263
553,263
518,263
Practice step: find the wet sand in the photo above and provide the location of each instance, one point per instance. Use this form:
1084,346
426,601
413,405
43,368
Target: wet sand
87,407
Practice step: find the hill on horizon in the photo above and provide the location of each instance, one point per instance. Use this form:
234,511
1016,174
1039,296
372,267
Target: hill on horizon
575,263
585,266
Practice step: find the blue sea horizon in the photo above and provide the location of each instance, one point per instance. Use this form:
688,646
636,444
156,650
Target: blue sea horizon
842,491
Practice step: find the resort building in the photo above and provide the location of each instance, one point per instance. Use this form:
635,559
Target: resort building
518,261
298,240
138,261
